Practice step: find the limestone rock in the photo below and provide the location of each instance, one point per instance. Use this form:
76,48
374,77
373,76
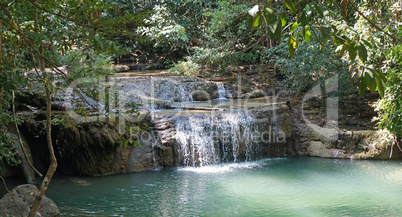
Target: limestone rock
24,196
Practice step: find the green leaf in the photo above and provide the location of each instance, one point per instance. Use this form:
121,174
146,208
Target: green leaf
380,86
362,53
269,14
344,48
278,29
304,19
362,86
370,79
294,26
381,76
289,4
272,27
256,22
283,19
352,51
325,31
292,43
307,34
318,9
269,10
367,43
337,40
250,20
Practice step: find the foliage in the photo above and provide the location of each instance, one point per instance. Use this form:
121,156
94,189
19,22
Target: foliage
165,33
186,68
223,36
358,30
81,63
390,107
8,153
310,66
37,32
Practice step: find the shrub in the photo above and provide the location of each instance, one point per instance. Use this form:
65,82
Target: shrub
311,65
390,107
186,68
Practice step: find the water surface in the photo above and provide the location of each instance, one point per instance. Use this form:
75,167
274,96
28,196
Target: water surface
270,187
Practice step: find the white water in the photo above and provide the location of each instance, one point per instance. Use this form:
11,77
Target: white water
221,91
206,139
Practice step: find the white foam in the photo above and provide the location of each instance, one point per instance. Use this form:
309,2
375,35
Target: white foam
222,168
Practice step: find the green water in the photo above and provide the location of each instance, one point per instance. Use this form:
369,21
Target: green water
271,187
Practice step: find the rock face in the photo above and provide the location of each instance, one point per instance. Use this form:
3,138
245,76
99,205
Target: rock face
24,196
182,132
175,138
363,144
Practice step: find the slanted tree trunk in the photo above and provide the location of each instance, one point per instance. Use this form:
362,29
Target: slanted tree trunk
53,162
1,41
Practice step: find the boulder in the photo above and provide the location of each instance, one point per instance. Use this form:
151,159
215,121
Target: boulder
24,196
121,68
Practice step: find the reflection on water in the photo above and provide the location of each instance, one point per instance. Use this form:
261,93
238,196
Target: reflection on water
270,187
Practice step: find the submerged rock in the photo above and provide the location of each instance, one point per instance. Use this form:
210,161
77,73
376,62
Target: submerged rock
23,196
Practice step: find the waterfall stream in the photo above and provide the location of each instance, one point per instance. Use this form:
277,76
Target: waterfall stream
221,91
212,138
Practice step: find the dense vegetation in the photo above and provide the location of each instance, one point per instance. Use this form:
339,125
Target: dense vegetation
309,41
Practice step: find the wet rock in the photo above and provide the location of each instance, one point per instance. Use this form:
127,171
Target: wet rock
24,196
202,91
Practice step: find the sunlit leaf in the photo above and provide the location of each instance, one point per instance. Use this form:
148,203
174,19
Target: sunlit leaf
289,4
292,44
256,22
294,26
283,19
307,34
269,10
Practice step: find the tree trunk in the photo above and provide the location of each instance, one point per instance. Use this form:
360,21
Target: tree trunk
53,162
1,41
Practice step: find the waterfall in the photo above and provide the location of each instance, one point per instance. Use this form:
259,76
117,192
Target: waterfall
221,137
221,91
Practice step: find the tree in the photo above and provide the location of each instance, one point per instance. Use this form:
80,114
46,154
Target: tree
345,25
366,34
35,33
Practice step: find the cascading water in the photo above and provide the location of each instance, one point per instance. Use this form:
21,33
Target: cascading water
219,137
221,91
